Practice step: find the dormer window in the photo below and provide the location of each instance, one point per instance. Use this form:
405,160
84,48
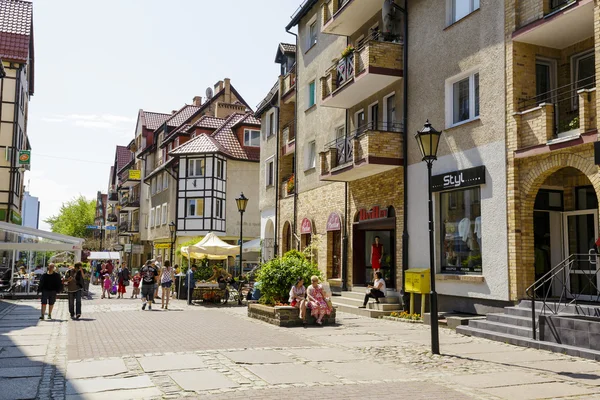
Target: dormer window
251,138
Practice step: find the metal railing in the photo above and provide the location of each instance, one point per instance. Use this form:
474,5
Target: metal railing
557,289
565,100
556,5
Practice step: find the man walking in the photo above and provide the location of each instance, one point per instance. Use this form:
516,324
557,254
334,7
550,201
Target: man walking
190,283
149,274
74,282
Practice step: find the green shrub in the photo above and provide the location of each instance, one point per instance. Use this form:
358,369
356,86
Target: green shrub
278,275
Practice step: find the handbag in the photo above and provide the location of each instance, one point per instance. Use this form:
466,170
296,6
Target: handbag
125,283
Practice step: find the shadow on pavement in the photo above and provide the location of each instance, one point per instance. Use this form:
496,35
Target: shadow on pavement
24,343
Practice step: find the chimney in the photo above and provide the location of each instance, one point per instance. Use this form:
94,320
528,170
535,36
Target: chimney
218,87
173,112
197,101
227,90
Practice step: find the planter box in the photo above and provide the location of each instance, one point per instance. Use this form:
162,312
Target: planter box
409,321
285,315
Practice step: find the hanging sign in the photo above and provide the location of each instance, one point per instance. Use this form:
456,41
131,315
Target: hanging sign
334,222
374,213
458,179
135,174
24,157
160,246
306,226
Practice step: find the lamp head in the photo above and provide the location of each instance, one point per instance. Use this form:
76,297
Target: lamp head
242,202
428,139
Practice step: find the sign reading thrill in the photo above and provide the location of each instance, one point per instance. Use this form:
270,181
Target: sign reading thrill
374,213
334,223
458,179
305,227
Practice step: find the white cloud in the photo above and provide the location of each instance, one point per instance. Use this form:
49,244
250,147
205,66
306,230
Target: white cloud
92,121
94,124
46,119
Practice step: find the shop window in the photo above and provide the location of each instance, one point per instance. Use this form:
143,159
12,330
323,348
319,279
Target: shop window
334,254
461,231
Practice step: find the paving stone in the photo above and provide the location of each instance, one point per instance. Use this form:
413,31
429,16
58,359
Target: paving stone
341,339
327,354
21,362
562,366
513,357
22,351
540,391
477,347
20,372
18,388
257,357
119,394
202,380
289,373
362,370
498,379
91,369
171,362
29,331
95,385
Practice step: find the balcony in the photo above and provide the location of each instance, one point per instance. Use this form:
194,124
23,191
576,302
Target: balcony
363,73
288,87
344,17
369,151
129,202
129,227
113,196
557,23
131,178
288,139
287,187
111,218
559,115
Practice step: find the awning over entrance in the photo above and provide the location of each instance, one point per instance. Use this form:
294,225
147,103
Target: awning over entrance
29,239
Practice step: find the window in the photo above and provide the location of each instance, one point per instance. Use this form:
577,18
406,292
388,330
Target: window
165,180
251,138
462,99
312,94
195,207
545,80
152,218
374,116
311,32
461,231
271,124
158,216
196,167
269,176
389,112
458,9
340,132
310,155
153,186
359,121
219,208
584,73
219,173
164,213
159,180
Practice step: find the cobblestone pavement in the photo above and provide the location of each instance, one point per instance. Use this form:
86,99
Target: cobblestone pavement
120,352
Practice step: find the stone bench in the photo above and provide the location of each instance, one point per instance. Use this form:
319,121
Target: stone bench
285,315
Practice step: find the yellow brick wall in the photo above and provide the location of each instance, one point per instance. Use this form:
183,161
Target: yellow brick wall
378,144
587,111
385,55
535,126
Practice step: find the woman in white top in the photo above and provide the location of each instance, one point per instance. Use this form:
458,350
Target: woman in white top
377,290
298,297
166,281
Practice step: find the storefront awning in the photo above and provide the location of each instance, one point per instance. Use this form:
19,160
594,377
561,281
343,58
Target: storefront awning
30,239
104,255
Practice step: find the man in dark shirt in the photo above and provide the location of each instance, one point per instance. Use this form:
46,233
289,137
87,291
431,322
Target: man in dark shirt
149,274
190,283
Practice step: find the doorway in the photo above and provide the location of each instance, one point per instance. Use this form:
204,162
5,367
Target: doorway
580,229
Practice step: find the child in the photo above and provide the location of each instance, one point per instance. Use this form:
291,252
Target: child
106,286
136,285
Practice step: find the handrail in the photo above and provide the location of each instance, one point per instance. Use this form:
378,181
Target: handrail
364,129
557,279
562,93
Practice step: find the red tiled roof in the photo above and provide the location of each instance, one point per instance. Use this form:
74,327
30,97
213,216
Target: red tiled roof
182,115
202,143
16,20
226,137
124,156
208,122
154,120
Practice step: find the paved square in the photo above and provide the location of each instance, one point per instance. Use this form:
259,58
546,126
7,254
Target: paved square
363,370
25,351
171,362
512,357
289,373
145,393
91,369
326,354
257,357
25,387
82,386
474,348
498,379
20,372
202,380
540,391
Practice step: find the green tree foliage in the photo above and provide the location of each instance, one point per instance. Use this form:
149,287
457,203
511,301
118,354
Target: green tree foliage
73,217
279,275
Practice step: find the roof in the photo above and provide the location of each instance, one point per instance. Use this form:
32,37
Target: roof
16,29
266,102
154,119
123,156
182,115
301,12
208,122
287,47
202,143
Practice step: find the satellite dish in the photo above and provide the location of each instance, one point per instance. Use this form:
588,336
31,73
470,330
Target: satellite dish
392,24
209,93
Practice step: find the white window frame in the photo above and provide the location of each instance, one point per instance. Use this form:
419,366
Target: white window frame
575,73
191,172
164,213
249,141
151,224
219,172
308,91
158,216
187,207
311,40
340,131
356,125
159,187
270,167
307,155
219,208
165,180
450,97
271,128
474,5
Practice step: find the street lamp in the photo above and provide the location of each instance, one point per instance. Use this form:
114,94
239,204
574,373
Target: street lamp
428,139
173,230
242,202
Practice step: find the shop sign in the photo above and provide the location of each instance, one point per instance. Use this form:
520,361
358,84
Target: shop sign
15,217
334,223
118,247
374,213
128,248
135,174
162,246
458,179
306,226
24,157
138,249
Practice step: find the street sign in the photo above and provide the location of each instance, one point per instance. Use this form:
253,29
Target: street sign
93,227
118,247
110,227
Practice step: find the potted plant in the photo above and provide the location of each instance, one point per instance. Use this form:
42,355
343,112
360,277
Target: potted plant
290,186
348,51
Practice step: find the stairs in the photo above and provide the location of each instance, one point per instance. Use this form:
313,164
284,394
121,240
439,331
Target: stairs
349,302
514,326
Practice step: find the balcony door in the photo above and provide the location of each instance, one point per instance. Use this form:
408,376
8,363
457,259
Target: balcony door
545,80
584,71
389,116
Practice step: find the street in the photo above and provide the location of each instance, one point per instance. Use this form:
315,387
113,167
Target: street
117,351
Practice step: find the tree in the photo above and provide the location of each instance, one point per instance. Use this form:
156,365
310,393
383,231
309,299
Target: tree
73,217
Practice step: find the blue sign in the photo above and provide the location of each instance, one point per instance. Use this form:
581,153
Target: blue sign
93,227
110,227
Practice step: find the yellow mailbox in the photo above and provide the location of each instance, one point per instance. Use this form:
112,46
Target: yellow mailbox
417,280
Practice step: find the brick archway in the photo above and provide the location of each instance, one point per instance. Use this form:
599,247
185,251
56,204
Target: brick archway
523,273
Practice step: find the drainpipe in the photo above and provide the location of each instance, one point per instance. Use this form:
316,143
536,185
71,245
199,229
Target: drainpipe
345,233
277,183
405,157
296,153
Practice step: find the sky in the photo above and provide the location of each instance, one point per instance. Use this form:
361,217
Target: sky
98,62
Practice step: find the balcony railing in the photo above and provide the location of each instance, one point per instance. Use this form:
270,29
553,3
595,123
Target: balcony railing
129,202
556,5
289,82
563,111
288,139
345,17
113,196
129,226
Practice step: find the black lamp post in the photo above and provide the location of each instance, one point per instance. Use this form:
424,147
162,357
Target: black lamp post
173,230
429,139
242,202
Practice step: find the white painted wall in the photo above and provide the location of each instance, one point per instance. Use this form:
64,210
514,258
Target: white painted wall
265,215
493,217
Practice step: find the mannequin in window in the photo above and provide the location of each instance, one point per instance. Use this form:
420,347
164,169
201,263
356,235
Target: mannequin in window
376,255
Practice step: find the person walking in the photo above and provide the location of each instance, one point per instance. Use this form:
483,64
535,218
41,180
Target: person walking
166,281
190,283
106,286
49,286
158,267
74,281
149,274
136,285
123,280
